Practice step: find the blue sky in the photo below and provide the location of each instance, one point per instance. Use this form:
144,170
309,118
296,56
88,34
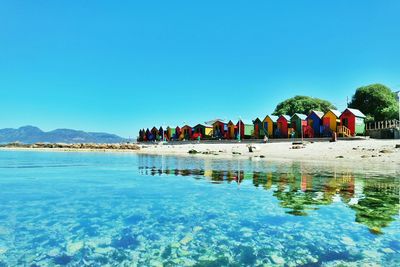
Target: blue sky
118,66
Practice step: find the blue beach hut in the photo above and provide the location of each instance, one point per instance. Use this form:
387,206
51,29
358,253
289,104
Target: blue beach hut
314,121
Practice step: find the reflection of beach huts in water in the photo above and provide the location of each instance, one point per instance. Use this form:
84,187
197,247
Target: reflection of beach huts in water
186,133
330,122
171,133
298,123
219,128
354,121
282,125
259,131
231,130
314,123
204,131
245,128
270,124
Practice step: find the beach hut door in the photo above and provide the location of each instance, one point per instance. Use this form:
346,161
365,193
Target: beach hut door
346,122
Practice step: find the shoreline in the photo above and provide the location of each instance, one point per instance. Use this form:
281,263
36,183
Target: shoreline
371,153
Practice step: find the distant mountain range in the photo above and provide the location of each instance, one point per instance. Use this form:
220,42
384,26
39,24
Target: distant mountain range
31,134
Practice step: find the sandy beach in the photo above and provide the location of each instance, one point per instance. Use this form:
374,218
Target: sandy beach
355,151
345,152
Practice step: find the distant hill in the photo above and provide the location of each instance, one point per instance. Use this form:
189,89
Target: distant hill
31,134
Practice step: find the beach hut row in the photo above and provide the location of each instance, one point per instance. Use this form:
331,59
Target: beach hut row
348,123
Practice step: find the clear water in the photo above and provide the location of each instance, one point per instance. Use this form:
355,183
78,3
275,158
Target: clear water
93,209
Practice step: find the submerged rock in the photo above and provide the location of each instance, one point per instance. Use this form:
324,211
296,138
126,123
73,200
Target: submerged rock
126,241
348,241
72,248
2,250
52,253
62,259
277,259
186,239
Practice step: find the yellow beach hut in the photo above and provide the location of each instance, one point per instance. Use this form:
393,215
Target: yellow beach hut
330,122
231,130
269,125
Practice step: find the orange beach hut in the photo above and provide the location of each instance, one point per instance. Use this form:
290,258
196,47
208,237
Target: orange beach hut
270,124
330,122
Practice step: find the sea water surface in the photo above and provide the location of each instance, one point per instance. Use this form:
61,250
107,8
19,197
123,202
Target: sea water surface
99,209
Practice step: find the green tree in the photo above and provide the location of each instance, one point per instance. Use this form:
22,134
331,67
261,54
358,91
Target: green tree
302,104
376,101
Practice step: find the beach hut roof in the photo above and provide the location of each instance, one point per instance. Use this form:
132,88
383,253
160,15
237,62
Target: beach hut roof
320,114
272,117
355,112
202,125
301,116
246,122
211,122
256,120
287,117
336,112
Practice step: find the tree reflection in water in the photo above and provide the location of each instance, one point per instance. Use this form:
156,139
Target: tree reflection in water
300,188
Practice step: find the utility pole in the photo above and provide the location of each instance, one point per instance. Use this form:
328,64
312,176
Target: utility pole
240,134
398,100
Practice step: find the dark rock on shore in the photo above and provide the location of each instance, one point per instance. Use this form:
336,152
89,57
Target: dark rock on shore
126,146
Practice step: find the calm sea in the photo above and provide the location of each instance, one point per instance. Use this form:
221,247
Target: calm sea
95,209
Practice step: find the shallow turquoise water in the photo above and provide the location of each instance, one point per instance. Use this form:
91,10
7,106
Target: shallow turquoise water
117,209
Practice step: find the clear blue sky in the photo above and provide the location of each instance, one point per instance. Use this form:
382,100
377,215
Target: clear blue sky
118,66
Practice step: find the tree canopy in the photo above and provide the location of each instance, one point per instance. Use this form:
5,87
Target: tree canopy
376,101
302,104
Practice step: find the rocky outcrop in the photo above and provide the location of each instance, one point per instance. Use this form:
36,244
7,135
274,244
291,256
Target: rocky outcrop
124,146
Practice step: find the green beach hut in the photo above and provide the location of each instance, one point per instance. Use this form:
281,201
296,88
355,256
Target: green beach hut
298,122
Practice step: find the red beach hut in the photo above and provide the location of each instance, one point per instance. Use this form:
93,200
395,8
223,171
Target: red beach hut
186,132
178,132
282,126
352,122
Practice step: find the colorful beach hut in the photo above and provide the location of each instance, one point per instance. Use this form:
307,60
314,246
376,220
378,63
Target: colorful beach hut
149,136
204,130
171,133
330,122
178,132
231,130
314,121
155,134
282,125
162,134
186,132
270,124
259,131
352,122
246,129
298,123
220,128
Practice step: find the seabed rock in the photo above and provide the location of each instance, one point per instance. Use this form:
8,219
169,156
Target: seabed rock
2,250
348,241
72,248
278,259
